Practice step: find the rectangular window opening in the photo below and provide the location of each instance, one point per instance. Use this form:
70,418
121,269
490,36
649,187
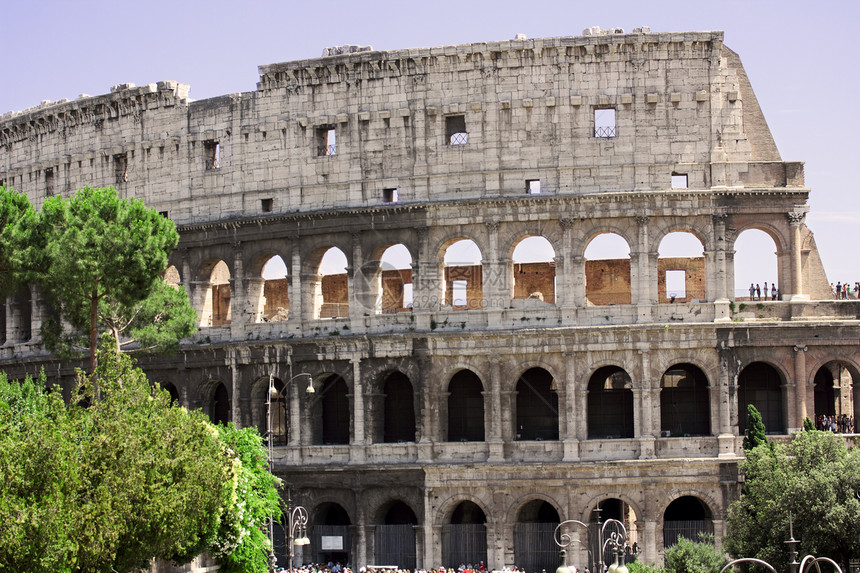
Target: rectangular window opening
163,214
120,166
533,186
389,195
267,205
408,296
212,152
455,130
49,181
326,141
676,285
679,181
604,122
459,292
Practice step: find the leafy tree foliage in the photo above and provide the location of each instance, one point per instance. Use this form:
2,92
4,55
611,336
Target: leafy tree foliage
695,556
109,486
99,261
17,217
756,433
243,545
808,424
816,479
639,566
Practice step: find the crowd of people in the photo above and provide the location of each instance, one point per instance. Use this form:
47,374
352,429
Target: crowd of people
758,293
843,424
844,291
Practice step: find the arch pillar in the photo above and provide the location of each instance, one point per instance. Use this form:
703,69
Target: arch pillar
311,296
799,406
795,221
718,264
238,295
494,431
356,451
565,294
649,543
297,287
642,294
568,401
726,437
256,300
577,278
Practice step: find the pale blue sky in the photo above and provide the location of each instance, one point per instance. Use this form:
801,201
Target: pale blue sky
801,57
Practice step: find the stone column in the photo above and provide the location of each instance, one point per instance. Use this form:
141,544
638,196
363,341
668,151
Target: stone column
564,289
238,296
648,549
497,285
361,530
297,289
577,274
795,221
718,260
235,411
725,438
11,331
646,425
495,440
800,407
356,452
568,411
642,294
294,396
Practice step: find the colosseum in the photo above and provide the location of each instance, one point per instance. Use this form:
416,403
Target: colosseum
394,259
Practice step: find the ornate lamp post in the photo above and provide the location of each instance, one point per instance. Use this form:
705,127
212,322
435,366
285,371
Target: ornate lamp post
613,541
298,533
299,517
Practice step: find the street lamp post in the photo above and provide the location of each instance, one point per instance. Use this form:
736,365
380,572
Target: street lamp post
273,393
614,541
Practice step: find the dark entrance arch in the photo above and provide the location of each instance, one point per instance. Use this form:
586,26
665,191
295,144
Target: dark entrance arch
610,404
174,393
394,539
219,405
464,539
280,422
620,511
687,517
760,384
331,417
331,539
684,404
465,408
534,545
399,418
537,406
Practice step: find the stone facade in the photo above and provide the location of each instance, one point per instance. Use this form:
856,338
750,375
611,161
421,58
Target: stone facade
465,405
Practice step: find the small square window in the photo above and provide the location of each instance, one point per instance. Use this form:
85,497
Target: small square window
326,141
604,122
533,186
212,153
267,205
163,214
455,130
120,167
389,195
679,181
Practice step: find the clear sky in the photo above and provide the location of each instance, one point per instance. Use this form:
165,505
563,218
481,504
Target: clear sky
802,59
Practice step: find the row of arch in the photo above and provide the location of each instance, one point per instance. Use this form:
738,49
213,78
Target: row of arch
463,532
393,412
532,262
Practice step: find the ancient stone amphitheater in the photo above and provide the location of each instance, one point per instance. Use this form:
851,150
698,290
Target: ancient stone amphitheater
410,234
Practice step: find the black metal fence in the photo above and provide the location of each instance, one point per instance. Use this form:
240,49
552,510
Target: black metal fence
395,545
464,543
673,530
534,547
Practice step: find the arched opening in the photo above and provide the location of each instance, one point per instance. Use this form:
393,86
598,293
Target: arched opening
219,405
688,517
394,538
684,403
465,408
399,415
174,393
610,404
463,275
534,270
607,270
333,294
604,517
21,315
331,540
171,276
395,276
760,384
216,304
534,544
274,302
464,538
537,406
331,419
755,265
681,268
835,398
279,412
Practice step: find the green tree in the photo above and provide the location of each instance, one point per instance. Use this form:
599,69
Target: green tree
17,219
808,425
98,258
756,433
109,486
700,556
639,566
242,545
815,479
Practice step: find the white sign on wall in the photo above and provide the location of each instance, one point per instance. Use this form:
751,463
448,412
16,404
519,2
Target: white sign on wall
332,543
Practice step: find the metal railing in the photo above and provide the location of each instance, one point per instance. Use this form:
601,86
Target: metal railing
458,139
324,150
604,131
